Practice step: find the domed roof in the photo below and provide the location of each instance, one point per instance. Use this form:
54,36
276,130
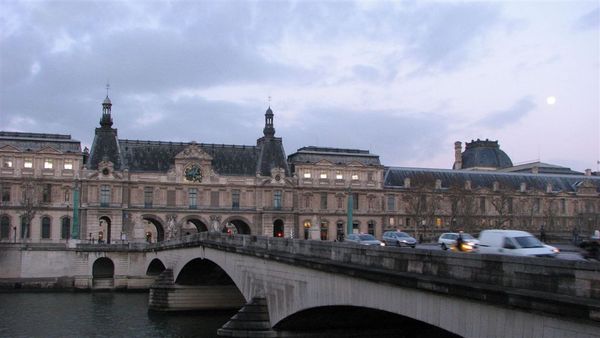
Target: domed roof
484,154
106,100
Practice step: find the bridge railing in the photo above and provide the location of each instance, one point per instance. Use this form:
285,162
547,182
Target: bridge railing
555,276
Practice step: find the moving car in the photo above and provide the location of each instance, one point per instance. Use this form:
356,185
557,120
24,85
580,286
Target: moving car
448,239
364,239
398,238
514,242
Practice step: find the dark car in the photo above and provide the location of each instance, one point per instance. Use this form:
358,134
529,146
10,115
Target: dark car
364,239
398,238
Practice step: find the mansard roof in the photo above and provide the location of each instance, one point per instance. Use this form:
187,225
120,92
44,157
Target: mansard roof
314,155
144,156
541,168
39,141
394,178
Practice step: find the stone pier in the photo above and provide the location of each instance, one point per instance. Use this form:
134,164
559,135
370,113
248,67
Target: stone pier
165,295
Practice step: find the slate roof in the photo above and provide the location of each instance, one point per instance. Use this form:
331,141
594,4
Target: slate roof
314,154
394,178
146,156
542,168
38,141
484,154
272,155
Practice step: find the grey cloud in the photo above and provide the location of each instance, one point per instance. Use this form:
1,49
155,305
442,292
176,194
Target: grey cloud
590,20
509,116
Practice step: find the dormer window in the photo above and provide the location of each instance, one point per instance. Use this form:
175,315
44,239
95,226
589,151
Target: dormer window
28,163
48,163
7,163
307,174
323,175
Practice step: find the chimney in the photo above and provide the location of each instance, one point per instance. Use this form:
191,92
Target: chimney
588,172
457,155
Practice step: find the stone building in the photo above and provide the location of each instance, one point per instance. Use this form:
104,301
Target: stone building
138,190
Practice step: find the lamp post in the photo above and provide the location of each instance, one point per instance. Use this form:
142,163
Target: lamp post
350,207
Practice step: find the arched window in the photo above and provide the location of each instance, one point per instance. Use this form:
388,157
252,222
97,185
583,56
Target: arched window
371,227
65,228
324,230
307,226
25,233
4,227
45,227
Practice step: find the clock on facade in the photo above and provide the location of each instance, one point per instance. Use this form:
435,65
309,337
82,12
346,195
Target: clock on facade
193,173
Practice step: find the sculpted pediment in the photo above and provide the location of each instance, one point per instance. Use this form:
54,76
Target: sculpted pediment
49,150
10,149
193,151
324,163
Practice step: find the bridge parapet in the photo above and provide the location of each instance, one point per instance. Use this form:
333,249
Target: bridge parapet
560,277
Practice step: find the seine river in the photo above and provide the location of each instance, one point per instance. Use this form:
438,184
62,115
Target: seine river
106,314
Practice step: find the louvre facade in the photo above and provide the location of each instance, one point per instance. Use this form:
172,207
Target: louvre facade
138,190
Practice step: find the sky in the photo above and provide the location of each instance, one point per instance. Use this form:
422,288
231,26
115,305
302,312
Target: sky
402,79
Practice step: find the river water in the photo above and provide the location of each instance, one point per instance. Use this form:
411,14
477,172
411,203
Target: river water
105,314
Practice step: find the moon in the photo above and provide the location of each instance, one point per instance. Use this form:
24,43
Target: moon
551,100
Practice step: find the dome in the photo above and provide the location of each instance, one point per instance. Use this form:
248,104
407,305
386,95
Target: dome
484,154
106,100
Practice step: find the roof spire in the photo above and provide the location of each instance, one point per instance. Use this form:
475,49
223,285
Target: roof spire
106,120
269,130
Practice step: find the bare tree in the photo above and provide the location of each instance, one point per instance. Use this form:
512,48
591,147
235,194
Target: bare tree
421,203
29,205
502,201
462,208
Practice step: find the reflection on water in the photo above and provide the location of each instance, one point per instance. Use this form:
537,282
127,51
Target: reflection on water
106,314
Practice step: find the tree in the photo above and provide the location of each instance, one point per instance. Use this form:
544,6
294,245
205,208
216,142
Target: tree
29,205
502,201
462,208
421,203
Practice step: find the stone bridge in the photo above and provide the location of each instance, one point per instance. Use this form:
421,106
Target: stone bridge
314,285
290,288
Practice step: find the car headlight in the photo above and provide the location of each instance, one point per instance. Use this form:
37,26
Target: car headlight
382,244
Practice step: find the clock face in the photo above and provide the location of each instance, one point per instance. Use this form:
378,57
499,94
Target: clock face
193,173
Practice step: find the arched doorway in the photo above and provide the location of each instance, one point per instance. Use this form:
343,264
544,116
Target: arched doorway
103,272
198,224
278,228
307,226
240,226
155,232
104,229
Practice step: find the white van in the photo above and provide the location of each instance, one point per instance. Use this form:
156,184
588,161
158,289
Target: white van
513,242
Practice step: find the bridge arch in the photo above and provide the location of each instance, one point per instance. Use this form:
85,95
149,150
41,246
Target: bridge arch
340,320
242,225
103,267
191,222
155,267
156,231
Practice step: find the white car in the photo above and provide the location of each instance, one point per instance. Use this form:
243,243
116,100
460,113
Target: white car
515,243
448,239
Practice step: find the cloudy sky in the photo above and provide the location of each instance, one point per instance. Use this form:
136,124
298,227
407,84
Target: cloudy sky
404,80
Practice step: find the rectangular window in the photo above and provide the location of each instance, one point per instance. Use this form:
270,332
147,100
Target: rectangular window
7,162
482,205
214,199
536,205
65,228
370,176
28,163
148,197
307,202
307,174
323,201
323,175
47,193
104,195
171,198
563,206
509,202
355,176
46,227
193,198
391,203
235,199
355,201
338,175
6,193
4,227
48,163
68,165
277,199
